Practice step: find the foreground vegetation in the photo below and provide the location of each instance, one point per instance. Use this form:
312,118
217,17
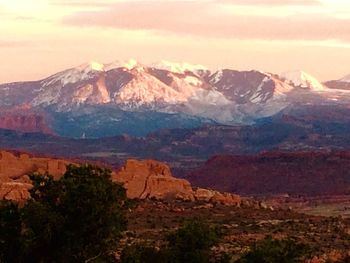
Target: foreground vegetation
78,218
85,217
192,243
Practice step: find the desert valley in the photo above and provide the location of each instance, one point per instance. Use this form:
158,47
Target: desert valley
261,155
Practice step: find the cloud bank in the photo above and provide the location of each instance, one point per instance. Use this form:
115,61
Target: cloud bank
208,20
272,2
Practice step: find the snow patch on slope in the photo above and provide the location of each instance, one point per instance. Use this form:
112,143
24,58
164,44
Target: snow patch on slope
74,75
217,76
211,97
145,90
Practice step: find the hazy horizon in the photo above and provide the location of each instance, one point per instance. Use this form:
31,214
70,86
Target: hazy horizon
42,37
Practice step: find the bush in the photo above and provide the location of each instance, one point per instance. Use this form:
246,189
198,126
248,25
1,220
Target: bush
78,218
142,253
191,243
275,251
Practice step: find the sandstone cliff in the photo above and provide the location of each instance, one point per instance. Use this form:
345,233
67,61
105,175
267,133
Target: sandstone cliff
153,179
14,166
142,179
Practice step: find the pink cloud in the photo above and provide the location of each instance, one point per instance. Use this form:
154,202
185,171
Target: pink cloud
14,43
81,3
272,2
198,19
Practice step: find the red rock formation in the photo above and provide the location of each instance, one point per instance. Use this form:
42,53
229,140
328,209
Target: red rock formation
142,179
15,166
152,179
207,195
15,191
14,182
24,119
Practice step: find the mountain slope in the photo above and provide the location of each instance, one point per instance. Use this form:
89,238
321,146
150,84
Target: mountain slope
248,86
340,84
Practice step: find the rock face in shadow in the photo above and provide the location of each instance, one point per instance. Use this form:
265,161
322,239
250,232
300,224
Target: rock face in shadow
142,179
274,173
24,118
24,123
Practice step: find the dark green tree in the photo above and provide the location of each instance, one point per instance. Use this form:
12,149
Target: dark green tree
78,218
191,243
275,251
142,253
10,232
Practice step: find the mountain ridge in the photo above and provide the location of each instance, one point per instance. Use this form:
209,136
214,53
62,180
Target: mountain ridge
168,91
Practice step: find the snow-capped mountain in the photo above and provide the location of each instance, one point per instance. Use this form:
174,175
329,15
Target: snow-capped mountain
178,93
301,79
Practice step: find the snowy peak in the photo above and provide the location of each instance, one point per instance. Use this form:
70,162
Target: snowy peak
180,68
91,66
83,72
302,80
126,64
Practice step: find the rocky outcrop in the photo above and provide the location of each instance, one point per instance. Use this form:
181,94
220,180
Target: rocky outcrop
14,170
142,179
17,191
152,179
212,196
14,166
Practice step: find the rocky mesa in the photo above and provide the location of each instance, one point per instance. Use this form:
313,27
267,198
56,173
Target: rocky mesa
277,172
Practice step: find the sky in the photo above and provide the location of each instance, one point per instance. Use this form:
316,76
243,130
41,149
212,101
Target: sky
41,37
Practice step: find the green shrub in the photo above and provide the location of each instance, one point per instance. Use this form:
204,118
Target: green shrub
142,253
275,251
78,218
191,243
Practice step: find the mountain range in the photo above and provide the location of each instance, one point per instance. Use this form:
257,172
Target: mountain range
98,100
